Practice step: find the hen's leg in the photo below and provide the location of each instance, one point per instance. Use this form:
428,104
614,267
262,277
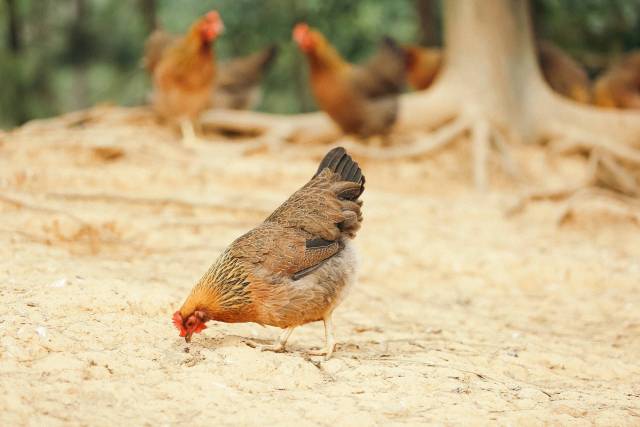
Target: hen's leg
279,346
330,341
188,132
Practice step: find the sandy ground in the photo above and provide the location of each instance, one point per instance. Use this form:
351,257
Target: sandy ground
462,316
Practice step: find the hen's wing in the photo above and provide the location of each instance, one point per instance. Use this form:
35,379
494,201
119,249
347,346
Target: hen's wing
324,203
310,226
154,47
275,251
385,73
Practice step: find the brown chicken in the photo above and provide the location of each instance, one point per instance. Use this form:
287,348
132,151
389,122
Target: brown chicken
292,269
423,64
238,81
619,87
183,71
362,100
564,74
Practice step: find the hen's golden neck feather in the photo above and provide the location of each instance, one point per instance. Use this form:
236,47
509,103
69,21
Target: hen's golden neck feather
324,55
220,292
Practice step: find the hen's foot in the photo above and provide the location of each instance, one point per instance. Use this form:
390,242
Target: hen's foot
278,347
188,132
327,352
330,341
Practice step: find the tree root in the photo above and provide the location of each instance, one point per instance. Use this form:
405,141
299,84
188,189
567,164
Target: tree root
630,205
271,129
606,177
572,195
489,117
424,144
483,135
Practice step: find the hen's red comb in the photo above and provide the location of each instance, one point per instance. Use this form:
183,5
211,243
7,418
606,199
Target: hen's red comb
177,321
199,327
300,31
212,15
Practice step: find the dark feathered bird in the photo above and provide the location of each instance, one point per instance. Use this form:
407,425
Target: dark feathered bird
238,85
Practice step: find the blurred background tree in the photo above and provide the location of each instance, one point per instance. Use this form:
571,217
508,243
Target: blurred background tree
56,56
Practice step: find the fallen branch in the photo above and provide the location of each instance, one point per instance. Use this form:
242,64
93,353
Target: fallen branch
299,128
423,145
551,195
627,202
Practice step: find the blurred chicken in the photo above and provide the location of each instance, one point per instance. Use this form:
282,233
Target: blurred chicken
423,64
361,99
619,87
292,269
238,81
564,74
183,71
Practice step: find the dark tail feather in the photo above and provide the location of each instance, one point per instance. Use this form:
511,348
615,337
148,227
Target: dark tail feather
338,161
270,54
393,46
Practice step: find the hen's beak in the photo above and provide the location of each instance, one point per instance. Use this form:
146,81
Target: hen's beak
187,337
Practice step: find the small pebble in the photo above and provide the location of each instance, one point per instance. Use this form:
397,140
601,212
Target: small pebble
42,331
60,283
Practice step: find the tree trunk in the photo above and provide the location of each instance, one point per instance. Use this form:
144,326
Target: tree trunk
430,28
148,9
80,89
15,27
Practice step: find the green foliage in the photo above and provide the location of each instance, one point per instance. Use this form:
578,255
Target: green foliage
595,31
78,52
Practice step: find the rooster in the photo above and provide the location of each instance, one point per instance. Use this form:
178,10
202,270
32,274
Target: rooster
238,81
292,269
619,87
183,71
423,64
362,100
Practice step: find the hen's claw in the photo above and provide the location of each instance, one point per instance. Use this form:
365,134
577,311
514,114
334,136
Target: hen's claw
330,340
278,347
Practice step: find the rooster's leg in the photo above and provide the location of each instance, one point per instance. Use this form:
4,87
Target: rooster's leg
330,341
279,346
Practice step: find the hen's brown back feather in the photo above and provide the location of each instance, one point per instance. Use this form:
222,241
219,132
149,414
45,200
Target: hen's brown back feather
619,86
